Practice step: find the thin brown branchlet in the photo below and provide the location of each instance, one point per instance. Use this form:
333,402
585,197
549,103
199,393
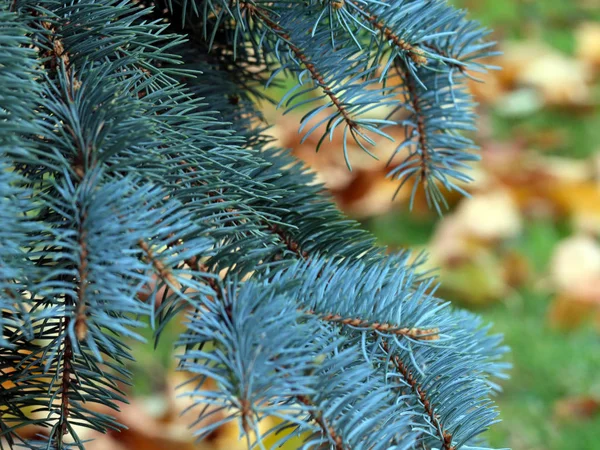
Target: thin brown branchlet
445,436
416,54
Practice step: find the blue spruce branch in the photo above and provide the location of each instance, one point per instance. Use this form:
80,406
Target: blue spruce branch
127,194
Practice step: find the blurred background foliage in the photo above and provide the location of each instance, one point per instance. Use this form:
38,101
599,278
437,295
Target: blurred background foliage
524,250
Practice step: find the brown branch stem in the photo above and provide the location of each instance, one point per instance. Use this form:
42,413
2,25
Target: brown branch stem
66,381
325,426
161,270
314,72
81,327
421,334
292,245
58,55
424,155
460,65
445,437
415,53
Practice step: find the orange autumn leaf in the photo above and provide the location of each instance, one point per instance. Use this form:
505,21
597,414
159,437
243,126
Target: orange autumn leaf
581,201
568,312
576,408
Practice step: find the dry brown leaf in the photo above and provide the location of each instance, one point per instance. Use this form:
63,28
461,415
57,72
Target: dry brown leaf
489,88
575,273
371,194
149,433
515,57
568,312
450,245
576,408
528,185
146,429
477,223
517,269
549,186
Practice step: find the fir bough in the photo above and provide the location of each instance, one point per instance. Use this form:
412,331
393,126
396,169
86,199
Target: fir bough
131,164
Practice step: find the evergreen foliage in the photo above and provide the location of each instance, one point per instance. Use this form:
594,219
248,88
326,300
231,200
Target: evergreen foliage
133,160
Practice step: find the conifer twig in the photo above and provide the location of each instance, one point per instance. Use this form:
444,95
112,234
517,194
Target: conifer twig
310,66
462,67
445,437
324,424
161,270
415,53
420,334
59,56
424,155
80,316
246,407
414,333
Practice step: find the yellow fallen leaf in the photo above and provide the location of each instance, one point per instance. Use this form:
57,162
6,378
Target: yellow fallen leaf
587,43
569,311
560,79
581,201
575,262
476,282
516,56
567,170
490,216
229,437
